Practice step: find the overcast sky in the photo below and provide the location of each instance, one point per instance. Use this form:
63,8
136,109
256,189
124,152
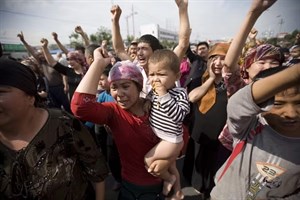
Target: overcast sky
209,19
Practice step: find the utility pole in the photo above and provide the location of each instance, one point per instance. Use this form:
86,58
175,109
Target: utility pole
133,13
281,22
127,26
127,17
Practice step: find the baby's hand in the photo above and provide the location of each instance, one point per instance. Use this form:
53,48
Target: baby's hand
158,88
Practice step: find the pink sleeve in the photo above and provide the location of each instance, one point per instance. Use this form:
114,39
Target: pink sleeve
233,82
226,138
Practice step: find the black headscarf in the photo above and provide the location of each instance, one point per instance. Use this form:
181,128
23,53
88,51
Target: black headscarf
15,74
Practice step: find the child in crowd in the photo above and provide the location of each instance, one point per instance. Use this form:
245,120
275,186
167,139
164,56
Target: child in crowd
265,162
170,105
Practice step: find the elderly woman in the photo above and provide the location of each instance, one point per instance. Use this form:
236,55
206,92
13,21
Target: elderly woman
44,153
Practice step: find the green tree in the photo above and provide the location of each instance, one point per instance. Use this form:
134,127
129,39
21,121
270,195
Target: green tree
75,40
102,33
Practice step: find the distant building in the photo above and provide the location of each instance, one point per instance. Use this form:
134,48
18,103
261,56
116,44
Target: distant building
15,51
160,33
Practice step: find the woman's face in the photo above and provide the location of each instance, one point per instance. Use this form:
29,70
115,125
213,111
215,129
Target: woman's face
14,104
73,63
217,64
261,65
126,93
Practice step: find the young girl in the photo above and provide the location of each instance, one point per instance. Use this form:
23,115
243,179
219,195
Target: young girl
169,107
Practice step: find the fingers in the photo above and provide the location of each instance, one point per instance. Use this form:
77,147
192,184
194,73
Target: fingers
253,31
78,29
54,34
20,35
44,41
115,9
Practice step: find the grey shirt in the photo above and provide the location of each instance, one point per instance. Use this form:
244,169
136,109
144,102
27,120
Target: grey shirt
268,166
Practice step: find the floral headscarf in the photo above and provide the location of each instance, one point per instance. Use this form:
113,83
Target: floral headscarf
78,57
125,70
262,52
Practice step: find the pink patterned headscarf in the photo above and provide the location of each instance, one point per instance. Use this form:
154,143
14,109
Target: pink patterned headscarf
125,70
78,57
262,52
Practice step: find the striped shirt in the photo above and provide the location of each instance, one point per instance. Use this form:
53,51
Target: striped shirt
168,112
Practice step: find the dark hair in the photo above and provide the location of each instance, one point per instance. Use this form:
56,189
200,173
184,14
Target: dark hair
107,69
152,41
168,57
80,48
89,50
284,50
203,43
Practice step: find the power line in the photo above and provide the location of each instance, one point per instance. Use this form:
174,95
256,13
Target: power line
36,16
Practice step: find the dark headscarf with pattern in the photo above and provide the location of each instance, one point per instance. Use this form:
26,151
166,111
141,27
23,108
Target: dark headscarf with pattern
262,52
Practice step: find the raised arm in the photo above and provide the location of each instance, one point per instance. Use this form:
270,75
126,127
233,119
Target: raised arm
28,47
51,61
266,88
89,82
86,40
117,40
59,44
236,47
184,29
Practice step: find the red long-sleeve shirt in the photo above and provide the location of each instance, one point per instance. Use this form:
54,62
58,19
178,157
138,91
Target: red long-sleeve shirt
133,135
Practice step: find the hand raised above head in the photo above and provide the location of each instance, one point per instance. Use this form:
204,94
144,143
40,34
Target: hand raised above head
101,53
261,5
253,33
55,36
78,30
21,36
116,12
182,3
44,42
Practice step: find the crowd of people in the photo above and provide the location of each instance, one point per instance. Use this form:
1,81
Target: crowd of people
230,108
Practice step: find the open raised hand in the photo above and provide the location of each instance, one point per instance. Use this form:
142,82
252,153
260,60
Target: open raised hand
21,36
